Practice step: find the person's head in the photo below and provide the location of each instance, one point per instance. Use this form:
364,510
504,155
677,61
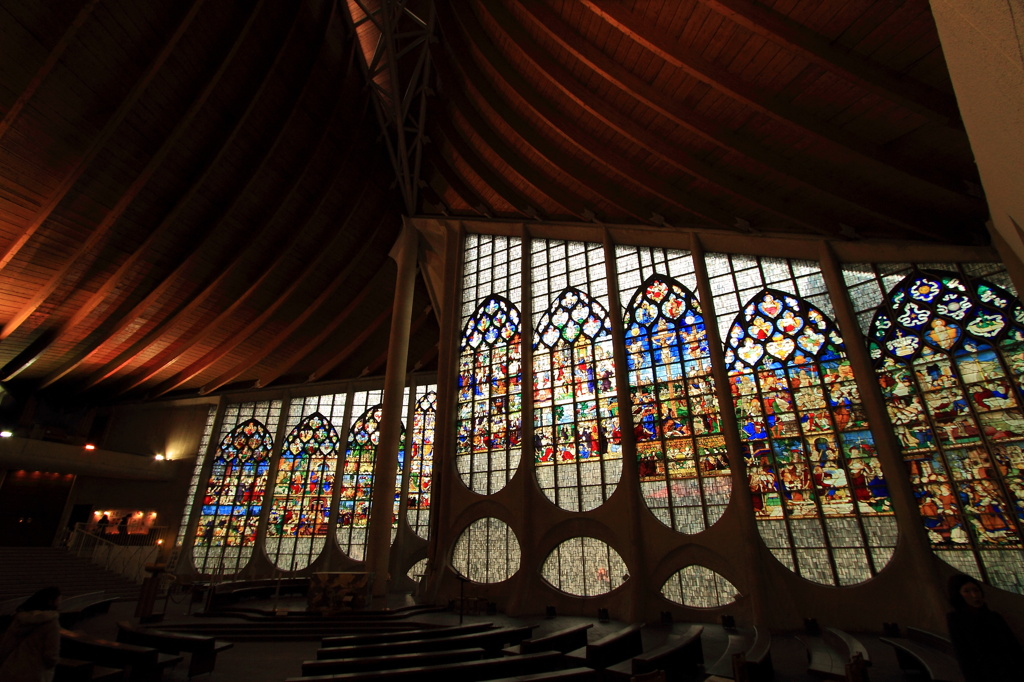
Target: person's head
965,592
45,599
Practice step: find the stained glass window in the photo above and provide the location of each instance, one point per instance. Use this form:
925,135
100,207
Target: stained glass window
234,493
301,503
197,474
421,461
949,352
357,478
584,567
682,458
699,587
577,442
489,438
490,400
486,552
817,487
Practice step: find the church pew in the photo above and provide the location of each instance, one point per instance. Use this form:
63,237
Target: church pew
679,657
74,670
76,609
144,664
399,635
567,675
745,657
564,641
916,657
333,666
202,650
467,671
491,641
836,655
610,649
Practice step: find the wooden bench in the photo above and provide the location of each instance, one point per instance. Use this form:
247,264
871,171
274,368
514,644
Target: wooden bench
490,641
468,671
399,635
202,650
679,657
925,652
226,593
564,641
746,657
610,649
74,670
363,664
143,664
567,675
75,609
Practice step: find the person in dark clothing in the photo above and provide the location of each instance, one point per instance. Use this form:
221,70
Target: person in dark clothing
985,646
31,645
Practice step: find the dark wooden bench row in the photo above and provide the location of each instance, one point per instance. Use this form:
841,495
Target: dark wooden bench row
491,641
74,670
610,649
746,657
564,641
926,652
399,635
836,655
202,650
142,664
362,664
680,658
466,671
227,593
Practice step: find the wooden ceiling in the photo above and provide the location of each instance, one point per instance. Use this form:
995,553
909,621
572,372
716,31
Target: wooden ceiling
194,195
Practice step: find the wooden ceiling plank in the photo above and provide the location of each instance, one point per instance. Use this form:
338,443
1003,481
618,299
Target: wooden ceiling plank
104,226
414,328
51,60
322,260
443,171
869,156
167,222
353,345
100,141
895,87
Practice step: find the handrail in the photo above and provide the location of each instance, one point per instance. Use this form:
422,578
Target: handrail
121,552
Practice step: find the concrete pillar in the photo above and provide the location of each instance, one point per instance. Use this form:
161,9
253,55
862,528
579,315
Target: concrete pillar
386,463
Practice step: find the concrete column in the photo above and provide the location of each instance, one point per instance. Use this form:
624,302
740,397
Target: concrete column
386,463
983,41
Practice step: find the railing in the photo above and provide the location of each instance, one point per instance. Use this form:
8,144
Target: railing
125,552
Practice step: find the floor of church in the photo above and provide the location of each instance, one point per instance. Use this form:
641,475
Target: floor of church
276,661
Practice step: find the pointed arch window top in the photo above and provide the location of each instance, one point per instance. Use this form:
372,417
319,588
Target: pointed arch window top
777,328
366,430
496,321
315,436
938,312
428,403
663,298
573,315
249,441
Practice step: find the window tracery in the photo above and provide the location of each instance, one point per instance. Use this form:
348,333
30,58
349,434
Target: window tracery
421,462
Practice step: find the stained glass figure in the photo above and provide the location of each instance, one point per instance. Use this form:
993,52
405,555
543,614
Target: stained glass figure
233,499
816,484
421,463
357,481
301,505
699,587
489,437
577,447
682,459
486,552
584,567
949,352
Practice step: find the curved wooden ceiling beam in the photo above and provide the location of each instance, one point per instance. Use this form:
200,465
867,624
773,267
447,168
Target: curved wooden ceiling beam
525,136
311,344
897,88
657,42
443,172
51,60
838,184
100,141
382,359
349,348
547,187
682,161
87,249
165,225
321,261
256,235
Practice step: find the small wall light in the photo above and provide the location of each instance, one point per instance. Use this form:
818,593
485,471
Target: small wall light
160,458
90,446
6,434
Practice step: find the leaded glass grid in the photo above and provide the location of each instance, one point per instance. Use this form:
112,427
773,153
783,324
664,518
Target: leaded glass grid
948,346
233,496
489,430
197,474
814,477
301,501
682,459
577,449
421,460
584,567
487,551
699,587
